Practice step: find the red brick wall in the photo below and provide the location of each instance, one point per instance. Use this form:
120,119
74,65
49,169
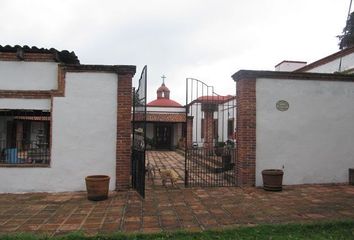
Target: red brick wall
124,131
31,57
208,129
246,132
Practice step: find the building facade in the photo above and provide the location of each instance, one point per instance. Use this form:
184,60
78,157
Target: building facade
299,121
61,121
165,128
211,120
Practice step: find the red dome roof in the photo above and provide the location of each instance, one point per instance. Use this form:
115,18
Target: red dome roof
163,102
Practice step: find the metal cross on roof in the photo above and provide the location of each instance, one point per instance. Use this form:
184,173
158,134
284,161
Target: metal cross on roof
163,79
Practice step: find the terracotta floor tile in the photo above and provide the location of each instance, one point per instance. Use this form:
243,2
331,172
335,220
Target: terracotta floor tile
55,220
132,226
28,227
132,219
112,219
74,221
110,226
90,226
69,227
173,208
93,221
152,229
151,224
49,227
315,216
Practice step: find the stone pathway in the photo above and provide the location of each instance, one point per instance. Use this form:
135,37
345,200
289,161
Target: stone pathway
173,208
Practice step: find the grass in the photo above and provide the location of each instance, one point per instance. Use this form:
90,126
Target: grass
329,230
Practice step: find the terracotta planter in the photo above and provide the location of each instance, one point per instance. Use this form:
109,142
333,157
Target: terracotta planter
351,176
218,151
226,162
272,179
97,187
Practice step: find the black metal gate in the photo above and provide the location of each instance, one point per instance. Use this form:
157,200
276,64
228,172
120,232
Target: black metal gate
139,135
210,136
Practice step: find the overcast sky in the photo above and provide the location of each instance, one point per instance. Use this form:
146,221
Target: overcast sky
204,39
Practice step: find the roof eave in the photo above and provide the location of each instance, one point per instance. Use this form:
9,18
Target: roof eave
252,74
327,59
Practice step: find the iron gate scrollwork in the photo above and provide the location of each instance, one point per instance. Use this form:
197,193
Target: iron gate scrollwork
139,135
210,136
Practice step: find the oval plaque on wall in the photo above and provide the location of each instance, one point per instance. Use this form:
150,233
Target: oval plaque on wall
282,105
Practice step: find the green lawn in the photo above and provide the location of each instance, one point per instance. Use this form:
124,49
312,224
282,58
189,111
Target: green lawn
330,230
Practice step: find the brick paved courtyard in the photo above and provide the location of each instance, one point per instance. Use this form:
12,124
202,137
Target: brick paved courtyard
198,174
165,160
173,208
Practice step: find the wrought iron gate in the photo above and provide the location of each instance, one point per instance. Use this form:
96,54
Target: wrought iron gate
210,136
139,135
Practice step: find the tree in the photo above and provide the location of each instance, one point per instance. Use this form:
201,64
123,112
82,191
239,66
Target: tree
347,38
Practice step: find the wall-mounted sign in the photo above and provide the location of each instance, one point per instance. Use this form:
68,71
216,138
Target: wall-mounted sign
282,105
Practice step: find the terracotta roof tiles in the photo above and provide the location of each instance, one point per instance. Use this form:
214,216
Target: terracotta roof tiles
59,56
163,102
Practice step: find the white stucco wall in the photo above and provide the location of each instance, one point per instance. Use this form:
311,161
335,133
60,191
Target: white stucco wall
289,66
31,104
313,140
149,130
83,138
333,66
177,133
195,110
226,112
28,75
166,109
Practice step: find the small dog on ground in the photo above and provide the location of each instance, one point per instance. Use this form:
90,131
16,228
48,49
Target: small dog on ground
150,169
167,174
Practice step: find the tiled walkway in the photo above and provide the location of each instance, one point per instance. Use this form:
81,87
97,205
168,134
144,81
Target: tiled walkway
173,208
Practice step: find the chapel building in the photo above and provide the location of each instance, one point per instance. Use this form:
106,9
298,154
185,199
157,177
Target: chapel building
166,119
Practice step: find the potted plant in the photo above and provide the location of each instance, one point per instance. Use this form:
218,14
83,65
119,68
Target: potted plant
272,179
181,143
219,148
97,187
149,143
226,155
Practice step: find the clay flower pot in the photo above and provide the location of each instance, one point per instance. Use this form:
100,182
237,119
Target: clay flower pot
218,151
97,187
272,179
351,176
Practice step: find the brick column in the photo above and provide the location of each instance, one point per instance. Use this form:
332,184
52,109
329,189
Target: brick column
208,129
246,132
189,132
124,131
